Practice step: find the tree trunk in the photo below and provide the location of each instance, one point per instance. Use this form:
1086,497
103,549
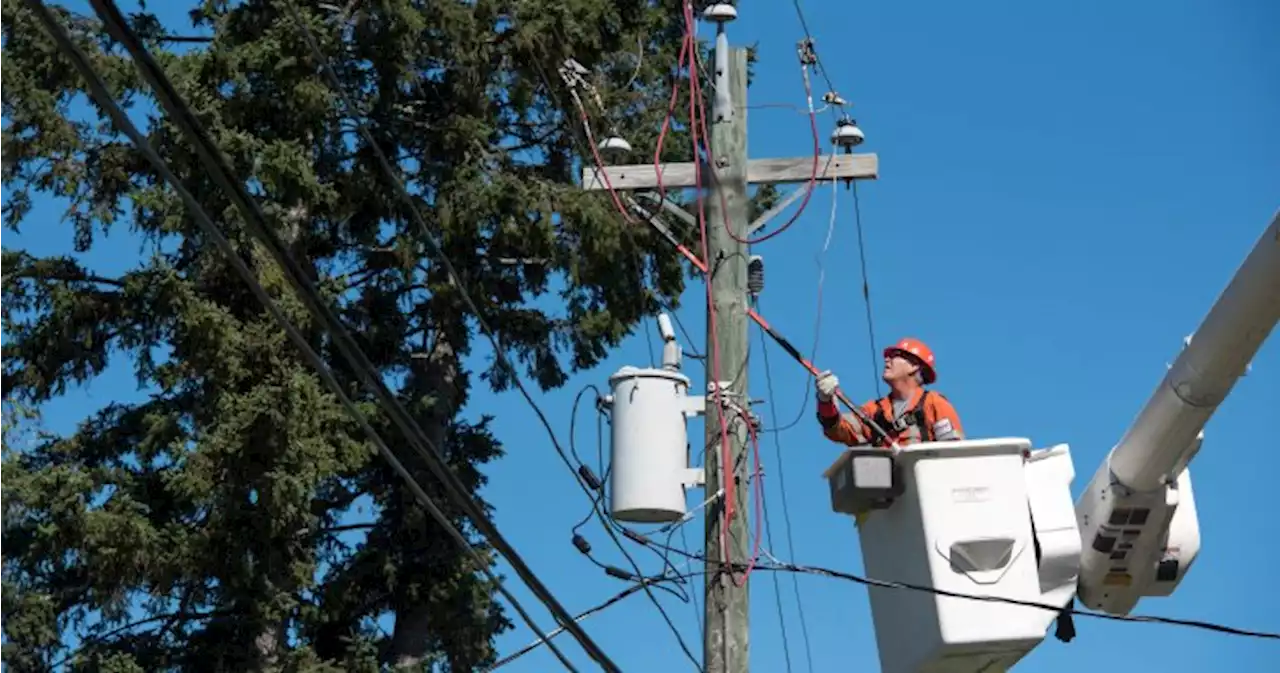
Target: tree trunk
279,554
267,645
410,640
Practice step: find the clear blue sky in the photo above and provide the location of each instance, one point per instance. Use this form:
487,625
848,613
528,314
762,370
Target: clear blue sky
1064,191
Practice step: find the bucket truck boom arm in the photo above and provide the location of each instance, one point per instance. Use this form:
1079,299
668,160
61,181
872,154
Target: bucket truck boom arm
1137,516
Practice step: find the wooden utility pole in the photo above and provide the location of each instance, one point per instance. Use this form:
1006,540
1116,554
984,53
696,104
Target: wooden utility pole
726,644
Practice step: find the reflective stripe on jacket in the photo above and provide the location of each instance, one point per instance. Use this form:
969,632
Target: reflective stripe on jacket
928,417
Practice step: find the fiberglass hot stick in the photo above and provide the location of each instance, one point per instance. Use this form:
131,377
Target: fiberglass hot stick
779,339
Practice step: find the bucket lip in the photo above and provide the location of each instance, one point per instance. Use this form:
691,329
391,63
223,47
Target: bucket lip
629,372
968,448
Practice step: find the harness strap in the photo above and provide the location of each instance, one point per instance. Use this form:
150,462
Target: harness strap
913,417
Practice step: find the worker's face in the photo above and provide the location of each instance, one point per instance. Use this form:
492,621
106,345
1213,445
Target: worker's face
897,367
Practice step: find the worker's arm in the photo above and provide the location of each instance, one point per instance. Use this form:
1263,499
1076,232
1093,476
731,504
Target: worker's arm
844,428
946,422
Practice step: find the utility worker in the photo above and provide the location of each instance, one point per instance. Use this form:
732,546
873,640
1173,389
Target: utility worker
909,414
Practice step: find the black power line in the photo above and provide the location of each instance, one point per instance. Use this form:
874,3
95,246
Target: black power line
782,489
817,59
612,528
836,574
780,566
1138,619
222,174
499,350
866,288
582,615
857,210
777,582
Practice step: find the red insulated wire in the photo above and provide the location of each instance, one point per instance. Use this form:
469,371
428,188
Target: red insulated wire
808,189
595,155
804,362
608,183
604,173
686,47
758,495
725,457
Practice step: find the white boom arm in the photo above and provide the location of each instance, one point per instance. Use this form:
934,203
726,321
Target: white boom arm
1137,516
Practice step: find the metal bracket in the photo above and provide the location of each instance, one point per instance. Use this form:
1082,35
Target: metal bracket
693,477
572,73
740,411
720,390
695,405
654,221
671,207
720,386
804,49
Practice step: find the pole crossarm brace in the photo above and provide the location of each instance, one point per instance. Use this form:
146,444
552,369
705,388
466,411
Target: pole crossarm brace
773,212
759,171
670,206
654,220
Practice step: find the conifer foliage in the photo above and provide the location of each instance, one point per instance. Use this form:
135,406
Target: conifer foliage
236,518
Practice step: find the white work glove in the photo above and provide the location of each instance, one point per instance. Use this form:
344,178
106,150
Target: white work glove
827,384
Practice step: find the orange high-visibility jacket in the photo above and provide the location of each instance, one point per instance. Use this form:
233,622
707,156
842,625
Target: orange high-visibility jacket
928,417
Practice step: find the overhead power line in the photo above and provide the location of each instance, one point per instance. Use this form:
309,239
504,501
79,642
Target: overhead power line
500,351
782,490
776,565
1138,619
866,290
822,69
777,585
600,607
794,569
222,174
611,527
546,639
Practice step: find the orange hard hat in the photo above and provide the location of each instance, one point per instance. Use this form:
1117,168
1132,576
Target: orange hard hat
915,349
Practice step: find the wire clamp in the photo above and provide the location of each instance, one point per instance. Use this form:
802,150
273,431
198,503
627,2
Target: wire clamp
693,477
804,49
720,391
573,73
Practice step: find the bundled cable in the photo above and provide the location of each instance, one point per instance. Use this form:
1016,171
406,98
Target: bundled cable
775,565
778,566
221,172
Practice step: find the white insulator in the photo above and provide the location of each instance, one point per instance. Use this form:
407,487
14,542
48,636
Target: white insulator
847,135
721,12
614,146
664,327
755,275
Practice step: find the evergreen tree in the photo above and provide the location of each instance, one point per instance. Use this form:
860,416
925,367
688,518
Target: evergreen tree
202,528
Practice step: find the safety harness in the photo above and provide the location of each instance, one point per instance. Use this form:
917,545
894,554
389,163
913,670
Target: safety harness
913,416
